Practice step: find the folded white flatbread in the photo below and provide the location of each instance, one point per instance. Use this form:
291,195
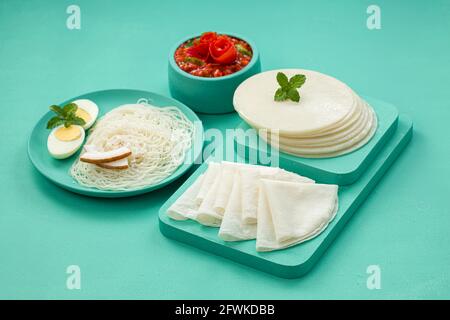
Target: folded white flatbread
250,187
290,212
233,227
207,215
226,184
185,207
277,207
239,219
210,176
228,170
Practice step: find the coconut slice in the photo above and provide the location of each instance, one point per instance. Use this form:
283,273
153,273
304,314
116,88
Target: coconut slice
97,157
120,164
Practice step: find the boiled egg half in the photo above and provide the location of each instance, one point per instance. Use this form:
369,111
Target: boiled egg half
63,142
87,110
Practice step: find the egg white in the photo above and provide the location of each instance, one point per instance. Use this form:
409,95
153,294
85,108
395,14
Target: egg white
63,149
91,108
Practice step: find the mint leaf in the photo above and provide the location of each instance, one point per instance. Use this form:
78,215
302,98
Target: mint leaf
78,121
288,87
297,81
57,109
280,95
282,80
65,115
70,108
293,95
54,122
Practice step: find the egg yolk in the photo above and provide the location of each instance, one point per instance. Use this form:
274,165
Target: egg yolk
68,134
83,114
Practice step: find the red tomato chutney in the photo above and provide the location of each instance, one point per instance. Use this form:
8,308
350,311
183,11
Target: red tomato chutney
213,55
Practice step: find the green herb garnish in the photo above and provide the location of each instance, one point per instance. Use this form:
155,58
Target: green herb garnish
65,115
194,60
241,49
288,88
189,43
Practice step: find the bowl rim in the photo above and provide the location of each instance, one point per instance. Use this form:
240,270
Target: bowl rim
253,61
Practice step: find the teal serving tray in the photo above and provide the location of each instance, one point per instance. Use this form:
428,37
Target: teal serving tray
295,261
341,170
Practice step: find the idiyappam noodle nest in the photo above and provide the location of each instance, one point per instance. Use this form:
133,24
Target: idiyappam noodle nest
157,136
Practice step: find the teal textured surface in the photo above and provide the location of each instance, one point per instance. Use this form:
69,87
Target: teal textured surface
295,261
58,170
342,170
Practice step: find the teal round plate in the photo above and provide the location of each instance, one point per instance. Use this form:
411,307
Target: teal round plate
57,171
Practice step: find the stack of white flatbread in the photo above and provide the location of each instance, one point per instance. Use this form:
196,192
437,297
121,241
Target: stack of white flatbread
276,207
330,119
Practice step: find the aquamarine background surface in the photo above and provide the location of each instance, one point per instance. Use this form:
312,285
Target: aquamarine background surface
404,226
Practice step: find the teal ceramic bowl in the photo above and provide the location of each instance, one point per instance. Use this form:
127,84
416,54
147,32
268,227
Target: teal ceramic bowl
209,95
